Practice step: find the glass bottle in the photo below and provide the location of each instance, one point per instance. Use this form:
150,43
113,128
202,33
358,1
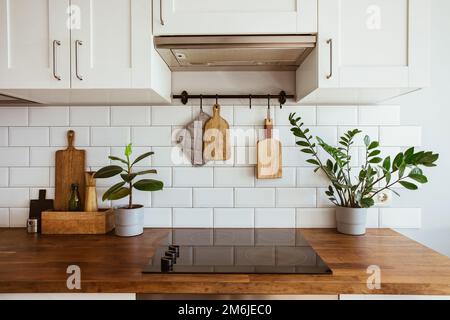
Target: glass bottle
74,201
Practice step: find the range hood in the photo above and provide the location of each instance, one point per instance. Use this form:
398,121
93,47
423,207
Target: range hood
235,53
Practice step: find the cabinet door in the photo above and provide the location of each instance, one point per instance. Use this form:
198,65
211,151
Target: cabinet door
102,43
374,43
34,44
234,16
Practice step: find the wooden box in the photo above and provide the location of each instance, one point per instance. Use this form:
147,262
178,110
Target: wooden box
62,222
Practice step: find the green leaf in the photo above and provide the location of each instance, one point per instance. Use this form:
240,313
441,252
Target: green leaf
128,150
142,157
408,185
119,194
308,151
302,143
153,171
397,161
313,161
148,185
387,164
367,141
374,153
388,177
108,172
127,177
367,202
118,159
114,188
401,170
373,145
418,177
375,160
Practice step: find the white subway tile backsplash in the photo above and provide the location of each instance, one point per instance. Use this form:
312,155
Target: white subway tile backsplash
372,132
244,116
306,177
234,218
379,115
328,134
152,136
171,116
226,112
245,156
401,218
97,156
29,177
192,218
42,156
29,136
322,199
213,197
3,137
14,157
89,116
337,115
4,218
274,218
293,157
169,156
158,217
234,177
163,174
13,116
58,136
400,136
18,217
14,197
4,174
48,116
130,116
110,136
287,180
372,218
284,135
296,197
307,113
137,151
316,218
250,197
193,177
172,198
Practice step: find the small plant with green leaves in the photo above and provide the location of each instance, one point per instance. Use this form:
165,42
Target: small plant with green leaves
375,175
125,188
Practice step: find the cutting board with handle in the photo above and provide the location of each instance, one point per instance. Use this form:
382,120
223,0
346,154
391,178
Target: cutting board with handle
269,156
216,139
38,206
70,165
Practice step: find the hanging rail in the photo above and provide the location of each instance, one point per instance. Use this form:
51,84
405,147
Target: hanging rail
281,97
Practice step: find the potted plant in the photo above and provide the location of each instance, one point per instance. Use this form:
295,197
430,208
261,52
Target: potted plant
129,220
353,194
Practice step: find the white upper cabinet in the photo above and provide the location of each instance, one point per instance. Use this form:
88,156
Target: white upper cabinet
371,50
213,17
34,44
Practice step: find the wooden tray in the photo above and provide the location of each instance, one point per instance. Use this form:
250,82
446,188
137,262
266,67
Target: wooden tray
63,222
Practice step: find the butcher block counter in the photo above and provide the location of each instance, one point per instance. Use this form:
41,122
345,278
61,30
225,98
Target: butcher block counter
31,263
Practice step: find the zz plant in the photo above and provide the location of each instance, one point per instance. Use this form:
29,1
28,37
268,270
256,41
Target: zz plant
125,188
375,175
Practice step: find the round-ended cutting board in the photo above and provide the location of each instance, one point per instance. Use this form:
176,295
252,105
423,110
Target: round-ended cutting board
70,165
269,157
216,137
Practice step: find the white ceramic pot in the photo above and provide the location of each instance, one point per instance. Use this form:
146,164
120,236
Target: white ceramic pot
129,222
351,221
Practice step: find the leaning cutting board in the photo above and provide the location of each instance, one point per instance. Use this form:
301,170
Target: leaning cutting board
216,137
269,155
70,165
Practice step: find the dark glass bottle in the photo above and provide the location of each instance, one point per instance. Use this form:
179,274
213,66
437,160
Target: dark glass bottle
74,201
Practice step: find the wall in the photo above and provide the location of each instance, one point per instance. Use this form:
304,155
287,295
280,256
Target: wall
220,194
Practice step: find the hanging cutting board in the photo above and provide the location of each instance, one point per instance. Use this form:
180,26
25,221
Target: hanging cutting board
269,155
70,165
216,137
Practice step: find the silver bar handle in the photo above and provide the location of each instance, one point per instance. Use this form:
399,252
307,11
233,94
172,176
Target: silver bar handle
330,42
77,44
55,60
161,12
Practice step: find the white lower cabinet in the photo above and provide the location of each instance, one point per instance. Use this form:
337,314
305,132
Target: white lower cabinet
367,51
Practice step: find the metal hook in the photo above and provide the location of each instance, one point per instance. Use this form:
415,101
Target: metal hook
217,99
201,103
250,101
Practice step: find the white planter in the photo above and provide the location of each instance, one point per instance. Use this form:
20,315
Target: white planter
129,222
351,221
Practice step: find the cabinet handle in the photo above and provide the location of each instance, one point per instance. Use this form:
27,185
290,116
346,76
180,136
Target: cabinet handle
330,42
161,12
77,44
55,62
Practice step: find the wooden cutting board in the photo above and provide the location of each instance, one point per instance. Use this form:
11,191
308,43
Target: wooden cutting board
70,165
38,206
269,155
216,138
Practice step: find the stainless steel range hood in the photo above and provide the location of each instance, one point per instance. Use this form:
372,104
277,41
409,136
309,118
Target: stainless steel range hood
235,53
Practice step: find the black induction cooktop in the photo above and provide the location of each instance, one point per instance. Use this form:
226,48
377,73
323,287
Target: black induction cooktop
236,251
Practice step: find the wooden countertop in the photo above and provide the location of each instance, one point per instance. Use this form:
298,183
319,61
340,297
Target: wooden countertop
37,263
